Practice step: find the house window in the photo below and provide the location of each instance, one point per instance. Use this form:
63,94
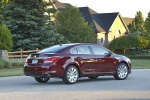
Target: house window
102,41
118,31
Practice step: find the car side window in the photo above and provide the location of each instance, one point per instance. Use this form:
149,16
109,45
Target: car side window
74,51
98,50
83,50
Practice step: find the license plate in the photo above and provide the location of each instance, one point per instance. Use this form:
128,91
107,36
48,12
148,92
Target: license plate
34,61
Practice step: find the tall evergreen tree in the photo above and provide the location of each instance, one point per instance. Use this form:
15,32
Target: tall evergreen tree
147,26
139,23
137,26
2,4
29,22
132,27
74,27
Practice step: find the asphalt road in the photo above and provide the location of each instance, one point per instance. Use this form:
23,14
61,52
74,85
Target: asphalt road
135,87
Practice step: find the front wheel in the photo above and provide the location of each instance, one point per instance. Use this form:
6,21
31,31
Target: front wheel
41,79
121,72
71,75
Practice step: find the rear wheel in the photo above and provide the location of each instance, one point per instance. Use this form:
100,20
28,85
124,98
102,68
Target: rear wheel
93,77
71,75
41,79
121,72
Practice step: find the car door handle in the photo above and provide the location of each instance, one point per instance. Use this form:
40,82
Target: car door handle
79,58
99,60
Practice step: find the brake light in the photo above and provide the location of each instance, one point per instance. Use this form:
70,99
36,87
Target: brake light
51,59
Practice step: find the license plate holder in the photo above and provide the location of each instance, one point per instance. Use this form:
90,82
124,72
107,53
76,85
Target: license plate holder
34,61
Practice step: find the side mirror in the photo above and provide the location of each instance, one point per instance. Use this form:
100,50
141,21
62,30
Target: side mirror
109,54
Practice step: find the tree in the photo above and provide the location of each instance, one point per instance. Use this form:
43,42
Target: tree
132,27
147,26
5,38
137,25
143,43
73,26
30,24
2,4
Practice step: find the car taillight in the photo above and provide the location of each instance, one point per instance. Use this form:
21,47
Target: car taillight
51,59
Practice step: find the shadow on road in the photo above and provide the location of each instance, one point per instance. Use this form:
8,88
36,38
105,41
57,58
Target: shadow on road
59,81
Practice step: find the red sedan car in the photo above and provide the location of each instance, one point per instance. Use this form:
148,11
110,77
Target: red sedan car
75,60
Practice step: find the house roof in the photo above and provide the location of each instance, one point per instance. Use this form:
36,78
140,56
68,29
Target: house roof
107,20
66,4
86,13
58,4
127,20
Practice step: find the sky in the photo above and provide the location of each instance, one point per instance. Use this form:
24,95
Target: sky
127,8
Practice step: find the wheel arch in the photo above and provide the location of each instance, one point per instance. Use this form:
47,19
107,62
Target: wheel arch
73,64
124,62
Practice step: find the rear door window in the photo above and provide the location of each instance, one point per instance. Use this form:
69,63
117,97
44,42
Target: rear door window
83,50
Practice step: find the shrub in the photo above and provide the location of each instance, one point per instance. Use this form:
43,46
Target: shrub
5,38
4,64
124,42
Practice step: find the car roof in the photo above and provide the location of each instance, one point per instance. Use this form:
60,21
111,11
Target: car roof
76,44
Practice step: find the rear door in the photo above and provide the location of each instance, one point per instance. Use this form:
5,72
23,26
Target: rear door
85,59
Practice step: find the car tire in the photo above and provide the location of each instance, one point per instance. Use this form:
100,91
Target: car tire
71,75
121,72
93,77
42,79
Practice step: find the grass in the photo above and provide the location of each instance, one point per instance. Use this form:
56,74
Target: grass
140,63
11,72
136,64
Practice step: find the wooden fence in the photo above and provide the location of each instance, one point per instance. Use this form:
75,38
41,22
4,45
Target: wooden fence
21,53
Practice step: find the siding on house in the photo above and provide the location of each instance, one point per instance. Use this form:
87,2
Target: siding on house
117,29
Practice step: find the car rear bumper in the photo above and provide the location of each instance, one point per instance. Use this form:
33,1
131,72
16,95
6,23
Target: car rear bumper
40,71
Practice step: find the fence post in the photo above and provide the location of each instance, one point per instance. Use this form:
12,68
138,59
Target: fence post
37,49
21,53
4,54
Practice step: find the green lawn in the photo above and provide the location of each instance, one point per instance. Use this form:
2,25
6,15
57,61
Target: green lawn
11,72
136,64
140,63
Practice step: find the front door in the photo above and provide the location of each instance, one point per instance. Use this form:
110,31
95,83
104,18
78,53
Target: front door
104,61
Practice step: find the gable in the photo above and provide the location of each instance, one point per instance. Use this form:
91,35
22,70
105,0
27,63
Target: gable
118,27
108,19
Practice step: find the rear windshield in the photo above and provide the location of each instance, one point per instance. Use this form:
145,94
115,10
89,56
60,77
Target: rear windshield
53,49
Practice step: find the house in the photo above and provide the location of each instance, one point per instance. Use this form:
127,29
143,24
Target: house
107,26
110,26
